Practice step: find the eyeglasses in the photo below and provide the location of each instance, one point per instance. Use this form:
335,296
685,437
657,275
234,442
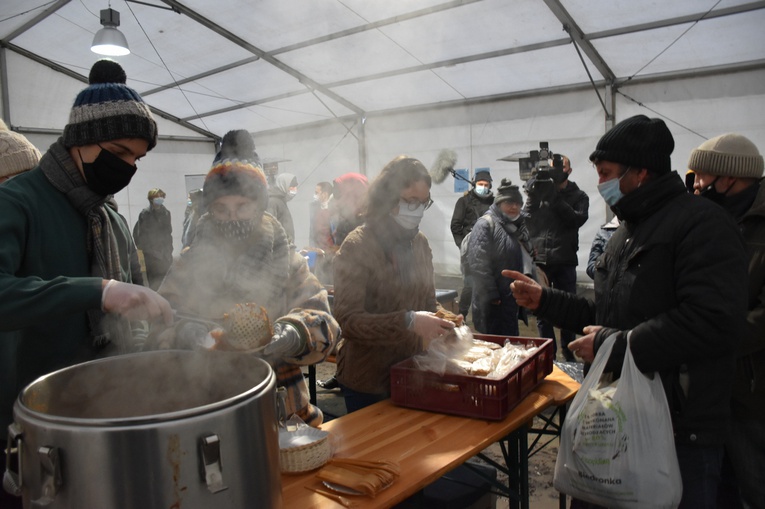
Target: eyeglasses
414,204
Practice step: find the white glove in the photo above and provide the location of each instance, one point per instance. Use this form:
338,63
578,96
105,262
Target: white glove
135,302
428,326
286,342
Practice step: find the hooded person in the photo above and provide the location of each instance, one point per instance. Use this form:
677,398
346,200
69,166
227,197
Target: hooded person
284,189
349,194
469,207
251,291
728,170
496,243
65,278
671,286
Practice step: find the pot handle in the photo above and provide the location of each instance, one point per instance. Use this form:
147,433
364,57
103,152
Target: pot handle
209,449
50,475
11,479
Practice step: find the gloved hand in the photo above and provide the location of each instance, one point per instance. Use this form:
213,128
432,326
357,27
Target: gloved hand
428,326
135,302
193,336
286,342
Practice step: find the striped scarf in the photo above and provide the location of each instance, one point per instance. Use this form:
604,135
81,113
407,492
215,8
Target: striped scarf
60,170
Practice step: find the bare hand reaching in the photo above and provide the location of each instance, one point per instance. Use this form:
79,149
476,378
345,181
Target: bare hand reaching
584,347
526,291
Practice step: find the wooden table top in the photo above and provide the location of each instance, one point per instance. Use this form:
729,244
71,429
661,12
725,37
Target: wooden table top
425,444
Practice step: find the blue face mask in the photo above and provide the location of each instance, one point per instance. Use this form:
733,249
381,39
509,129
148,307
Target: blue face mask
158,201
482,190
409,219
610,191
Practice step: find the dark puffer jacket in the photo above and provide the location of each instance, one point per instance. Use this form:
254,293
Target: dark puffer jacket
749,385
494,245
554,227
469,207
674,278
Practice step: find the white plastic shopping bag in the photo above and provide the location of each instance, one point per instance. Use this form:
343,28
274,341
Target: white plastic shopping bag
616,446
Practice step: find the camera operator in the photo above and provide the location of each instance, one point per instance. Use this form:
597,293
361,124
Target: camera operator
555,211
469,207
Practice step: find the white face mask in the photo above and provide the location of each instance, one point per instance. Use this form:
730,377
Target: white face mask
315,197
409,219
610,190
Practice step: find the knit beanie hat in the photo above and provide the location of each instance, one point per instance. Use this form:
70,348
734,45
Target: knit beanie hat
727,155
508,192
237,171
483,175
639,142
108,110
17,154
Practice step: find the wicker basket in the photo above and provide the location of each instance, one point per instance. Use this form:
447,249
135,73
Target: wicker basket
303,450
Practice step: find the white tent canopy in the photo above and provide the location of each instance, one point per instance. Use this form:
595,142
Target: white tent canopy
332,86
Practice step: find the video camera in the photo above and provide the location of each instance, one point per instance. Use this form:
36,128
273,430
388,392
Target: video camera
540,164
542,176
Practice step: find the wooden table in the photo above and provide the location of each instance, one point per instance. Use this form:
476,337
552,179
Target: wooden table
425,444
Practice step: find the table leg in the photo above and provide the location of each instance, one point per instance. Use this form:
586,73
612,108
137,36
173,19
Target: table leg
312,384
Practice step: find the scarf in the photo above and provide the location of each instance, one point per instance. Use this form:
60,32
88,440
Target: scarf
396,242
60,170
252,269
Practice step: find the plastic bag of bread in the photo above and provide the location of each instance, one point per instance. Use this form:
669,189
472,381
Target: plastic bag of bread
442,351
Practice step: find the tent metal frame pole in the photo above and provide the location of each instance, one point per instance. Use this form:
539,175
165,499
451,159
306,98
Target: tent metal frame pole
6,100
68,72
362,141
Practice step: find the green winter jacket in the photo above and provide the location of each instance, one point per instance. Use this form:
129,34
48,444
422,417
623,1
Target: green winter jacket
45,283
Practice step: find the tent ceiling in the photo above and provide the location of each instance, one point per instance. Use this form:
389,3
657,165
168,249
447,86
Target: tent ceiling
275,64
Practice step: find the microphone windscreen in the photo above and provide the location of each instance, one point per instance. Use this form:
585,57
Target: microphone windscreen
443,165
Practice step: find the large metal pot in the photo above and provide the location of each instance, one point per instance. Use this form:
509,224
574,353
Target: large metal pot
165,429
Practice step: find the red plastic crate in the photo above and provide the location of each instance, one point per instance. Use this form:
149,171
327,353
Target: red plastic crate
468,395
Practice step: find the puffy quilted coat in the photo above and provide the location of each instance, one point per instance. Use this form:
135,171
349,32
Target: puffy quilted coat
673,278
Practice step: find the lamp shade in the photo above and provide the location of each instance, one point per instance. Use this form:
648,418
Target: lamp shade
111,42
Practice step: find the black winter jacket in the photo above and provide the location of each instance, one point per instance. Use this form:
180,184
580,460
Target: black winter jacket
749,385
467,210
672,279
554,226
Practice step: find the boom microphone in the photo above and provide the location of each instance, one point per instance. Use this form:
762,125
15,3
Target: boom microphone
443,166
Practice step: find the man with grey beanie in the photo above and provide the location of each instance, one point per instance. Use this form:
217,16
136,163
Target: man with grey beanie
670,286
729,171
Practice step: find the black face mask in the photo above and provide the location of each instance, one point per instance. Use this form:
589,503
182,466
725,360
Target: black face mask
108,174
713,194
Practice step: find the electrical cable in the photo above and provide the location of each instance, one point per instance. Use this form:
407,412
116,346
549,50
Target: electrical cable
673,42
167,68
26,12
659,114
587,70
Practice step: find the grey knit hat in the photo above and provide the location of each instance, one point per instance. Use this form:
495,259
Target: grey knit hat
508,192
17,154
108,110
727,155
